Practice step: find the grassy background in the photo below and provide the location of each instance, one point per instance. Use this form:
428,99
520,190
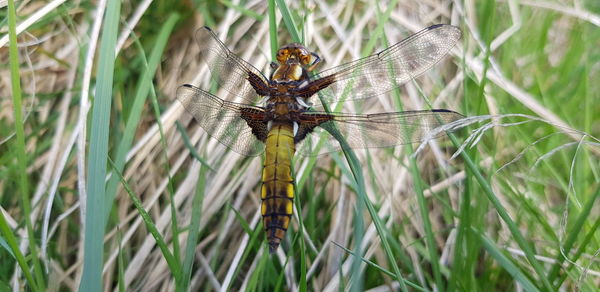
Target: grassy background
516,210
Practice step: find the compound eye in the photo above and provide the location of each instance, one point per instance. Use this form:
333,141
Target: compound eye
282,55
304,56
305,59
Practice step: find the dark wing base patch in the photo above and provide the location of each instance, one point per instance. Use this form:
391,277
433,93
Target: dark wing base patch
240,127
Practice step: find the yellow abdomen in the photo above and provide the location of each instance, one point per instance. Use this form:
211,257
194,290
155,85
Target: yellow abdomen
277,192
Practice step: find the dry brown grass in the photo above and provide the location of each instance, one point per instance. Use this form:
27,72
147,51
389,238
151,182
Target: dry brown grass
56,72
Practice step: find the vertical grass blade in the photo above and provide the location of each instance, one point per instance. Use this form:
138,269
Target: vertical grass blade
565,248
21,160
272,29
303,285
506,263
13,247
160,241
382,19
288,20
98,153
502,212
141,95
170,188
357,276
193,231
357,175
461,270
434,257
589,238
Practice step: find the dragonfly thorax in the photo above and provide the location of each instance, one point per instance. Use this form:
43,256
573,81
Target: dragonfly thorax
283,108
286,73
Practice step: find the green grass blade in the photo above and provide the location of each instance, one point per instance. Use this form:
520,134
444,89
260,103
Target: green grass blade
357,175
13,247
19,148
506,263
204,8
255,238
462,267
288,21
512,226
243,223
272,29
257,281
98,154
303,286
382,19
190,147
144,84
242,10
357,276
160,241
389,273
570,241
434,257
582,248
170,187
193,232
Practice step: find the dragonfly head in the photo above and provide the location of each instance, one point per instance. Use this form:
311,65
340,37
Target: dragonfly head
294,53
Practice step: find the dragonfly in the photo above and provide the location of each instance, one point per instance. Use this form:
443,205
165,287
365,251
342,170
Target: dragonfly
283,114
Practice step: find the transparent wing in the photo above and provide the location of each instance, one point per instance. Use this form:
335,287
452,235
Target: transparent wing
231,72
240,127
381,72
368,131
